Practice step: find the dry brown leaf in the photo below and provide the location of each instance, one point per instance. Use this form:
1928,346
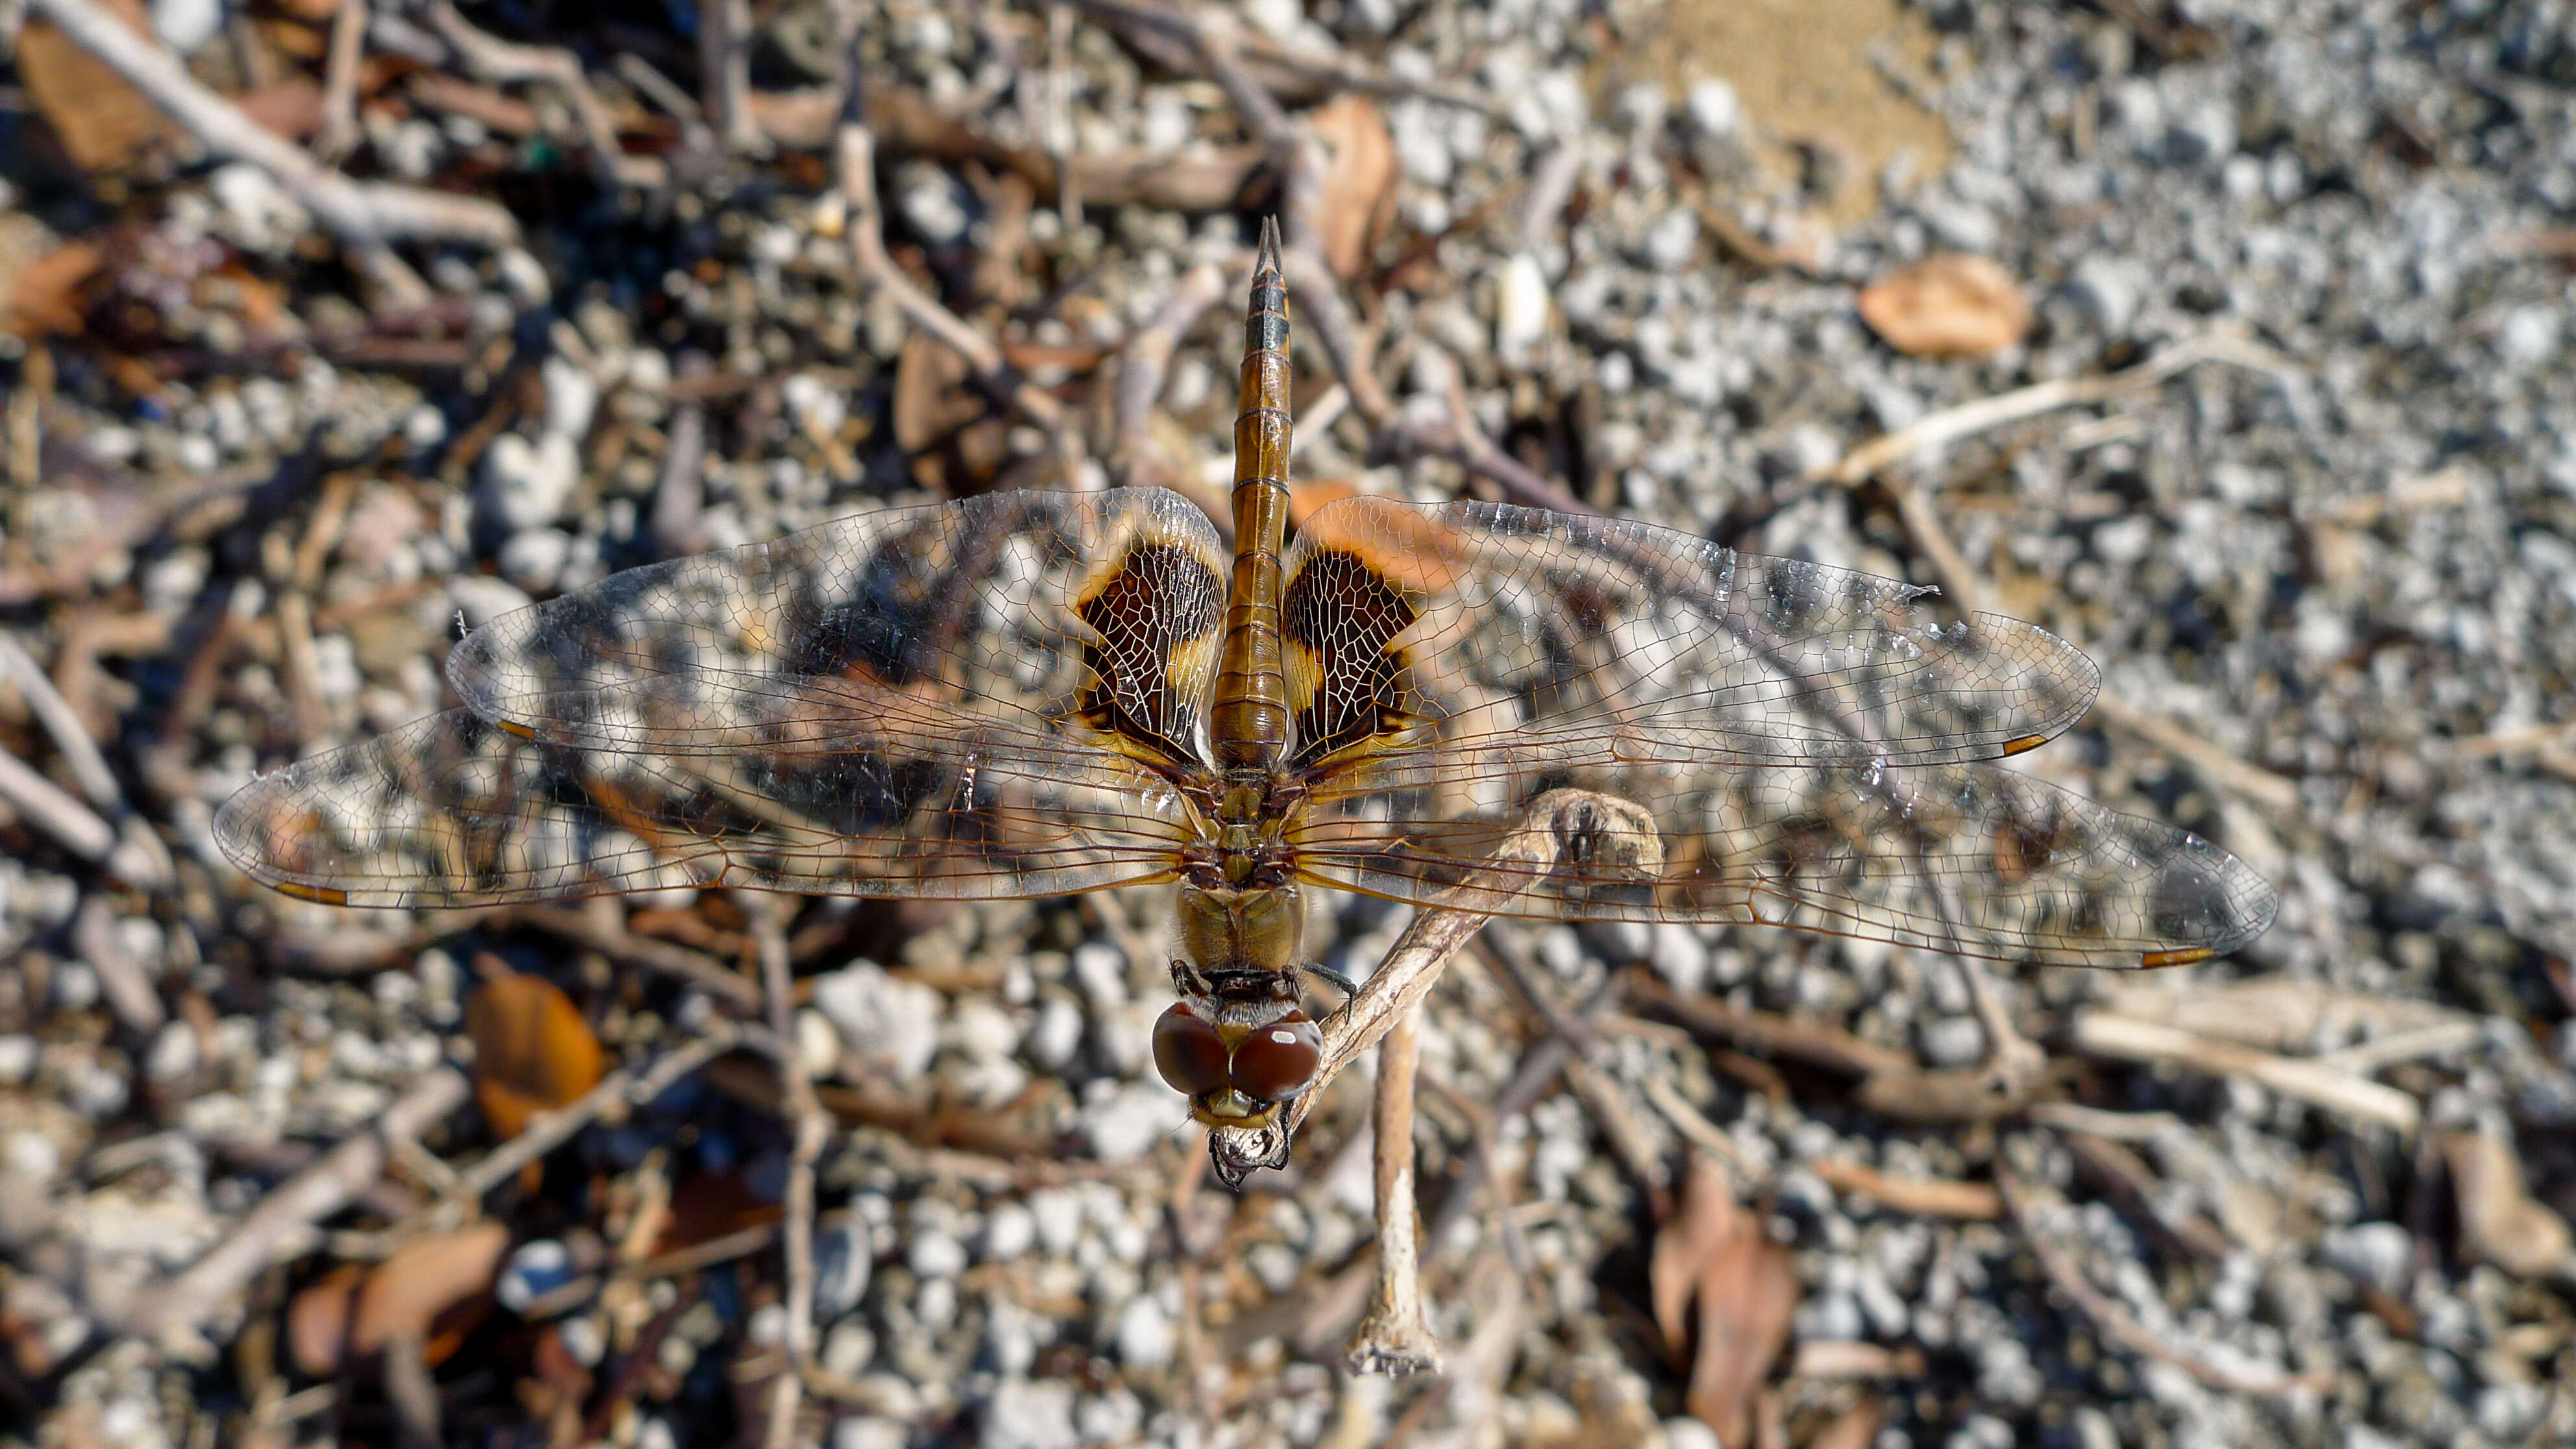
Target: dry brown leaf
941,421
1714,1254
532,1050
429,1288
317,1321
2500,1222
1951,305
42,298
1359,185
103,122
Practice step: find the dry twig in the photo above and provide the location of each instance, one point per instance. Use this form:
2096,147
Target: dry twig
811,1125
2104,1034
281,1226
2115,1323
1395,1337
366,216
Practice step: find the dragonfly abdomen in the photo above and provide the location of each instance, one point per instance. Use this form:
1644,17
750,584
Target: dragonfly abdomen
1248,725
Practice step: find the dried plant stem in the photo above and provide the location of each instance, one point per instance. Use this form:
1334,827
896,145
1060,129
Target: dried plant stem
1951,425
549,1130
80,753
1147,355
493,59
811,1125
2104,1034
281,1226
366,216
1927,1196
339,134
857,168
2115,1323
724,65
1395,1337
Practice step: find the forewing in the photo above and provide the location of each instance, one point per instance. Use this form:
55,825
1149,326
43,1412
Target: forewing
1478,622
1090,617
455,810
1968,858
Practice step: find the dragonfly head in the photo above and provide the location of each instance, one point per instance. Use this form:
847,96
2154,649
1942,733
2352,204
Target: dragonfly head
1237,1072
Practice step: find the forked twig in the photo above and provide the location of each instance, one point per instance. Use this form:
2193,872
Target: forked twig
366,216
811,1126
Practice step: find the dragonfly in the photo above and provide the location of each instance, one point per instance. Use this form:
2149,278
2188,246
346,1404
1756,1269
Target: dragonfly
1036,694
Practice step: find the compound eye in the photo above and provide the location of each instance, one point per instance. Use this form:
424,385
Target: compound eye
1188,1052
1278,1060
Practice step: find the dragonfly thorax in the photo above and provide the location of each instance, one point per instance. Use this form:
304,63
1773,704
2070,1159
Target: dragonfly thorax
1226,931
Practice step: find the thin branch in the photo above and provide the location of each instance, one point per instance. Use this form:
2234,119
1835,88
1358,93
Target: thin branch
1147,354
1950,425
548,1130
76,827
1395,1337
858,177
811,1125
281,1226
2104,1034
724,67
2115,1323
366,216
339,134
63,725
491,58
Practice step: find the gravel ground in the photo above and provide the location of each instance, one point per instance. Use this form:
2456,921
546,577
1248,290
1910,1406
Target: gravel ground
2313,1194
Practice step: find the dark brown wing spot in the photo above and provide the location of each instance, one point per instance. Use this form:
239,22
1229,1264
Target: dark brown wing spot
1159,601
1336,616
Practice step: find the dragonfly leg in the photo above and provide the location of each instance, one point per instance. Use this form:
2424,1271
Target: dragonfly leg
1335,980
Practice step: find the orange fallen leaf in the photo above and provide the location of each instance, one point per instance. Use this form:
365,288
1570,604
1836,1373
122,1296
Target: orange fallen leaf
43,298
1950,305
532,1050
1714,1256
1359,186
103,122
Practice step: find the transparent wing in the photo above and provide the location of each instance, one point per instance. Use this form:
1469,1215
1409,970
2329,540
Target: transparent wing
456,810
1969,858
1086,615
993,697
1473,621
1533,714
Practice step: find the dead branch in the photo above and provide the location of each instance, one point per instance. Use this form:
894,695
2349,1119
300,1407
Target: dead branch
857,166
62,724
1931,1197
281,1226
617,943
2275,793
1395,1337
366,216
1950,425
619,1089
339,134
811,1125
493,59
2104,1034
724,67
2115,1324
76,827
1148,352
121,980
